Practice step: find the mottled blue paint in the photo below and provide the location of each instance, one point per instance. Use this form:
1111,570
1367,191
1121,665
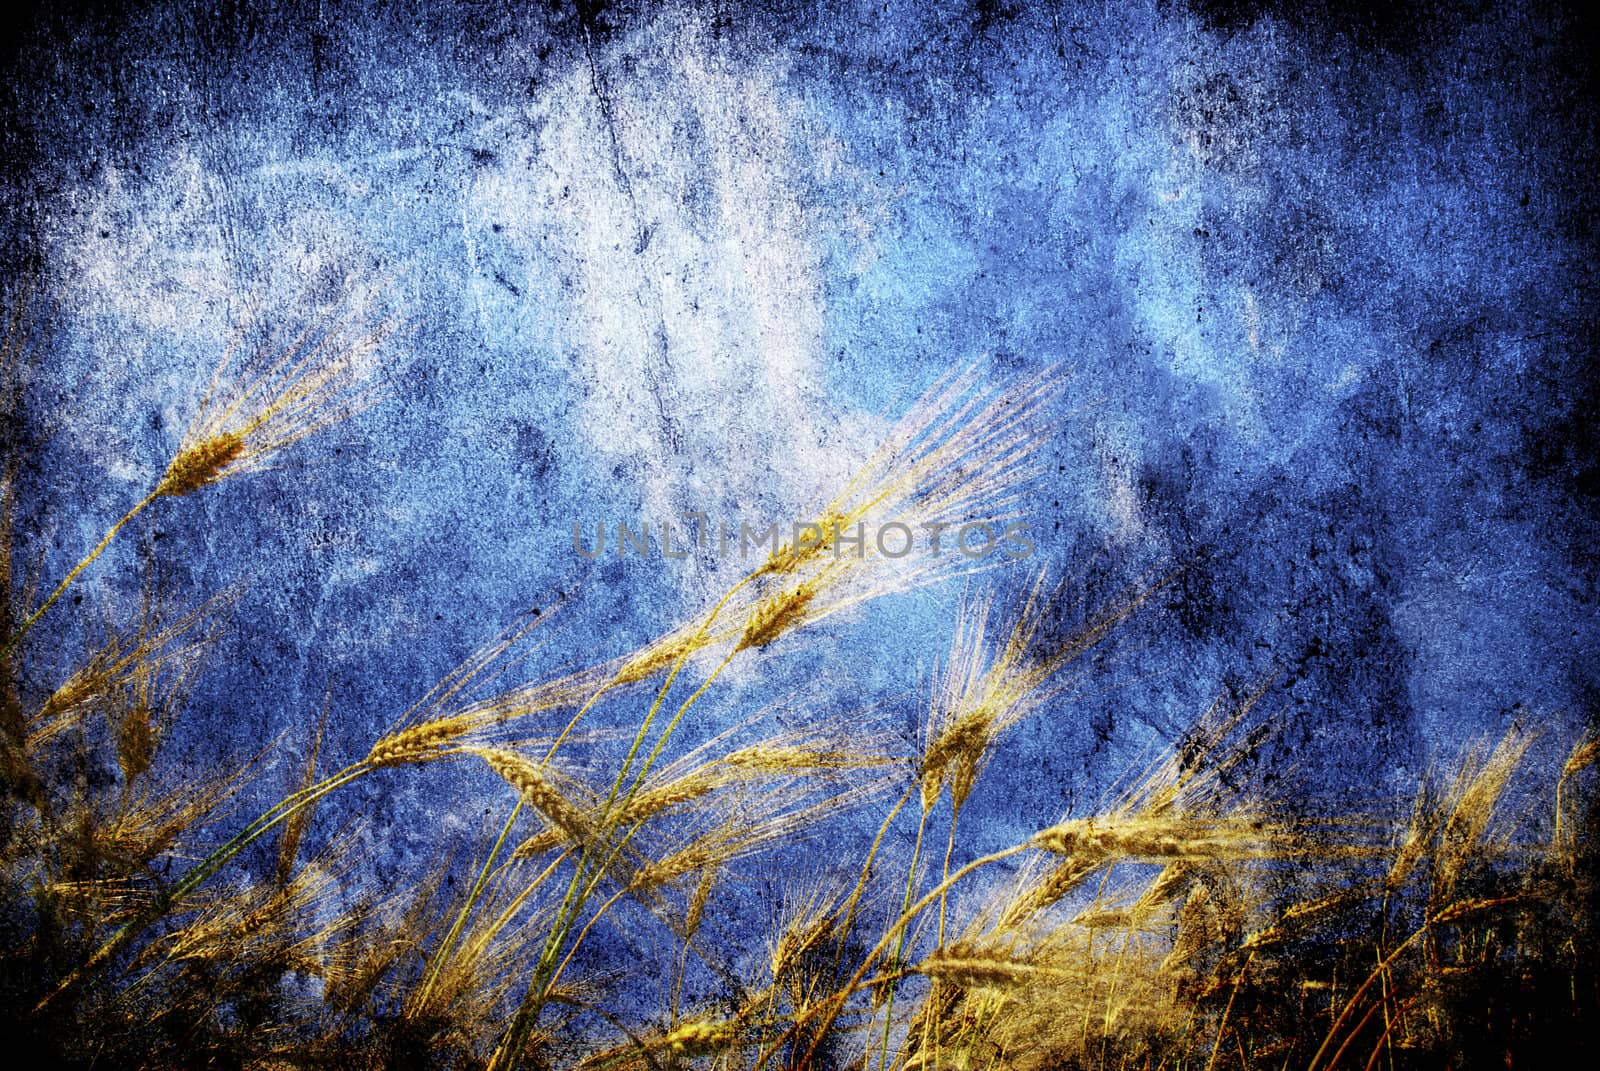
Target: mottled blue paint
1326,294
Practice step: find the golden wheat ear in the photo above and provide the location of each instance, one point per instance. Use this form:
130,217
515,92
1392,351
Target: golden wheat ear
253,410
962,452
261,405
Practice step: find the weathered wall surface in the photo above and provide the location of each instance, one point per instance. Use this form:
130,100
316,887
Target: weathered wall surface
1325,288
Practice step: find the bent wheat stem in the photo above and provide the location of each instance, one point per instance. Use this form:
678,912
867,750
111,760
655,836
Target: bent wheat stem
572,903
105,541
949,850
866,872
835,1003
504,918
678,661
899,948
1222,1024
661,742
1350,1005
447,945
611,902
163,902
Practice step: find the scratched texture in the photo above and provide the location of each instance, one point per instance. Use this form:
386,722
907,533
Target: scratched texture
1324,284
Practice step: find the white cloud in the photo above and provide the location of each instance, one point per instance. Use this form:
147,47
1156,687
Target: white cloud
673,209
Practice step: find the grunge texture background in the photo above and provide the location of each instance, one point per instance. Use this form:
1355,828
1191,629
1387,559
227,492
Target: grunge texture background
1323,286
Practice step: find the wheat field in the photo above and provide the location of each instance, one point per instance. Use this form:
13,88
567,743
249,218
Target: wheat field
1191,918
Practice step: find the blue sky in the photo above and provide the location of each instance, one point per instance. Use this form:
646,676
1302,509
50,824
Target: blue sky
1322,293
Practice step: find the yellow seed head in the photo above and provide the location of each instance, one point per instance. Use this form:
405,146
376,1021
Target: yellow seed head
652,802
79,688
419,743
136,743
201,463
701,1037
656,874
529,779
791,556
976,969
774,616
538,844
697,903
659,655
